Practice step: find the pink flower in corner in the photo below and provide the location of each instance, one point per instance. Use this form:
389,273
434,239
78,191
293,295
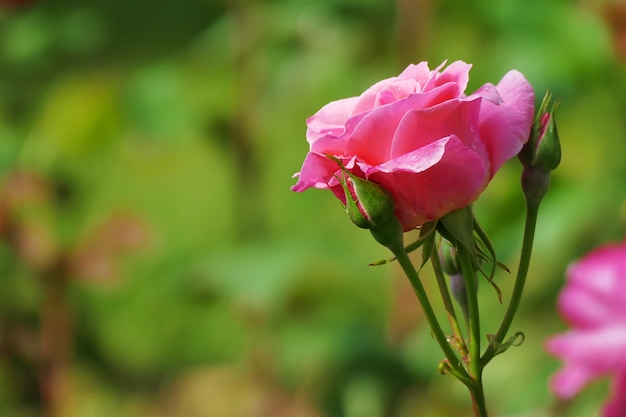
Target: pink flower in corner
421,138
594,303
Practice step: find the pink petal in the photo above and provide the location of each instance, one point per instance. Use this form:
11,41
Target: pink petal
616,406
596,289
374,136
369,99
487,92
447,165
420,72
330,119
586,355
456,73
505,128
452,118
570,380
601,349
398,90
317,171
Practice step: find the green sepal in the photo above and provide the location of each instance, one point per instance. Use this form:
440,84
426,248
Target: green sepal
461,228
490,256
427,234
428,245
458,228
389,234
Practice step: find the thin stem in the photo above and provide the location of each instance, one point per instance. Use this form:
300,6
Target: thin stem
475,366
478,399
447,303
411,273
469,277
532,209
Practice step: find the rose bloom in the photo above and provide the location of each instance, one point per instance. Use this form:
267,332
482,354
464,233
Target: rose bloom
421,138
594,303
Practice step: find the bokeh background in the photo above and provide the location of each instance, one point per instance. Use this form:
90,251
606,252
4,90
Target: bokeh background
153,261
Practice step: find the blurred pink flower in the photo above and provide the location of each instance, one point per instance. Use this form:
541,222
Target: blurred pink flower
421,138
594,303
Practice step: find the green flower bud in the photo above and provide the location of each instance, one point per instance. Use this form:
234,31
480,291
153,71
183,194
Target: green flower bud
450,266
543,149
447,255
459,292
367,204
541,154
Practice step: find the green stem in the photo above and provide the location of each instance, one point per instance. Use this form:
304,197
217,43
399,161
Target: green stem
411,273
447,303
469,277
532,209
475,366
478,398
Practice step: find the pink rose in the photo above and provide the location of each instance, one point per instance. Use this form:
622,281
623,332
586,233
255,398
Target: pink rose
594,303
433,148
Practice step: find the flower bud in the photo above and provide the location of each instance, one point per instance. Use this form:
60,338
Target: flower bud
543,149
367,204
459,292
449,264
541,154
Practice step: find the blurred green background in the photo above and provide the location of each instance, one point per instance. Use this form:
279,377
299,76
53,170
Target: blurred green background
153,261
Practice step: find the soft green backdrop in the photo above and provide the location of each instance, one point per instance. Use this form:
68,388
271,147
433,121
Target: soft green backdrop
157,242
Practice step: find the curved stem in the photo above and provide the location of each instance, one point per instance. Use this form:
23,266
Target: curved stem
411,273
532,209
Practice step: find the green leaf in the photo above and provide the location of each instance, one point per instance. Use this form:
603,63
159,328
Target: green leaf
425,230
459,225
427,249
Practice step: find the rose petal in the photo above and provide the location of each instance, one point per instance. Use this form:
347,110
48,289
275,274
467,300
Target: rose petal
418,72
316,172
598,352
487,92
447,165
421,127
616,406
596,289
369,99
372,139
456,73
568,381
505,128
330,119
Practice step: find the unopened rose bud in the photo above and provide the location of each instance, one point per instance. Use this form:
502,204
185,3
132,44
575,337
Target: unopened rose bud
367,204
459,292
449,264
543,149
541,154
